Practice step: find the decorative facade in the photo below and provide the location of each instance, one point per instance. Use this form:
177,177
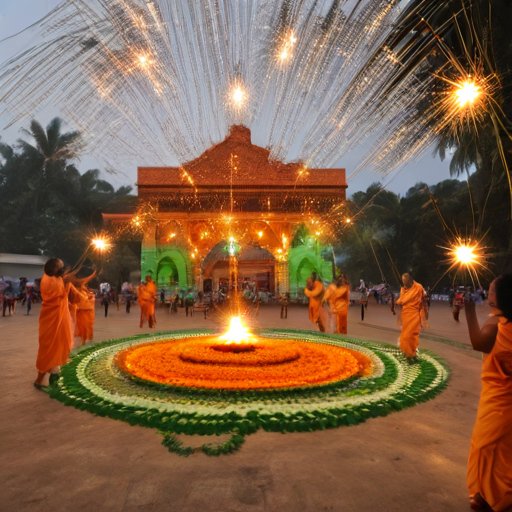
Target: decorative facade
232,200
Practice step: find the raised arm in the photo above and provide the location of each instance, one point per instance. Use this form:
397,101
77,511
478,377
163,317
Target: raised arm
482,339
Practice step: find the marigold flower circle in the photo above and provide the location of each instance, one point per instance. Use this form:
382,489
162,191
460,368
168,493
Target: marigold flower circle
193,362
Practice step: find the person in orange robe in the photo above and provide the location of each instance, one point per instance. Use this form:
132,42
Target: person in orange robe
55,334
338,297
315,291
414,313
85,315
489,477
146,293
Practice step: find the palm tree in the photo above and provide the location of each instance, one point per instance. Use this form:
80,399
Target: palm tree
51,145
50,155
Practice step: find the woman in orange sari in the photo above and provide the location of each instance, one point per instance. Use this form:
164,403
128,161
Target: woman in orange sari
489,477
338,297
55,334
414,313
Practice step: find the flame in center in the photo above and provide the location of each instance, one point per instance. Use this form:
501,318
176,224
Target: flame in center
237,332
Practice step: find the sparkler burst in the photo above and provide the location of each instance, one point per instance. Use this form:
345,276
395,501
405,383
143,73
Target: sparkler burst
465,255
102,244
467,93
468,257
157,82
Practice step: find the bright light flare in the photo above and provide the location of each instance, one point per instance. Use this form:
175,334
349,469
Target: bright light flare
465,255
101,244
285,52
237,333
467,92
238,96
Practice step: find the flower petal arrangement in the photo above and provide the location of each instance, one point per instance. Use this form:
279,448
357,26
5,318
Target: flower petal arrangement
292,381
194,362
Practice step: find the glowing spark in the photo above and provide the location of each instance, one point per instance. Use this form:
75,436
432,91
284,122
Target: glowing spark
467,93
288,43
465,255
260,234
101,244
237,332
348,221
142,59
238,95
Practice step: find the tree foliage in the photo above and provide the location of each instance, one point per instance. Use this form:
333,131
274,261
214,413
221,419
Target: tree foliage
46,205
392,234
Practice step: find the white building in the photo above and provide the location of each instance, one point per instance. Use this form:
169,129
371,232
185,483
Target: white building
22,265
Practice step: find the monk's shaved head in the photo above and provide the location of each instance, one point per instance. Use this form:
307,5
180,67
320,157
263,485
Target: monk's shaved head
52,266
407,279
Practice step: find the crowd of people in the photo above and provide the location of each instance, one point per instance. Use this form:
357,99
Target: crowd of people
68,313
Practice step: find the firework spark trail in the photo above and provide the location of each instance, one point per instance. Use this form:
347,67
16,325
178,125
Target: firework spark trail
152,80
159,82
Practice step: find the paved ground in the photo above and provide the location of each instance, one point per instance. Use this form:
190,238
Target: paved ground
56,458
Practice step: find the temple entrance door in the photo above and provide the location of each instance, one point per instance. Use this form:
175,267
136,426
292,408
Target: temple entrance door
167,273
207,285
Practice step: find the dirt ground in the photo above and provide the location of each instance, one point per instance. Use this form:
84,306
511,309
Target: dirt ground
56,458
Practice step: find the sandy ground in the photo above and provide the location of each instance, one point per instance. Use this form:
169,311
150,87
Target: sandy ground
56,458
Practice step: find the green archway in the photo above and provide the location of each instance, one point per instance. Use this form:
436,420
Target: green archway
167,262
302,261
167,272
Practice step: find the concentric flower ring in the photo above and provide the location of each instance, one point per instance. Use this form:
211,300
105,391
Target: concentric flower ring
93,381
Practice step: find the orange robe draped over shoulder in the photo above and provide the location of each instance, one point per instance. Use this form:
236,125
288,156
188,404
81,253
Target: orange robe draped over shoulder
490,456
412,309
151,290
55,334
339,301
85,316
315,301
146,300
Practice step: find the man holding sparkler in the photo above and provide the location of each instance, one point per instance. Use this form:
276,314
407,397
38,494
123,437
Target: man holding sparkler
414,310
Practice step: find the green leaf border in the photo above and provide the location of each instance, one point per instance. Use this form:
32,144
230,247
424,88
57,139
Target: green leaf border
431,379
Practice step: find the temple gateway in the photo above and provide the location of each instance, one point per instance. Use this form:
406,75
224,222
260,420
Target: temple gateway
234,201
